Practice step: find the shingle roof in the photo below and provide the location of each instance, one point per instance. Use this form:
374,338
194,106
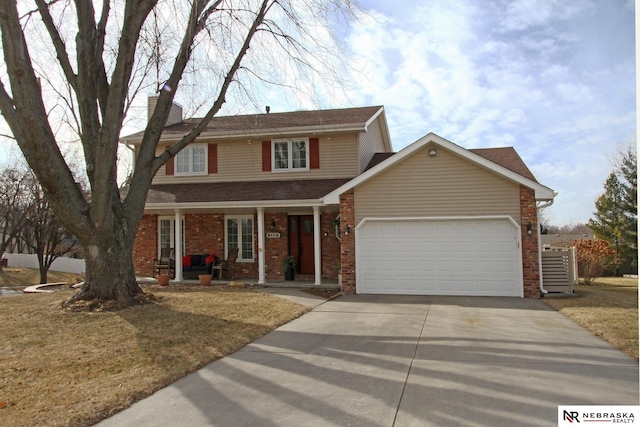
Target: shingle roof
273,122
378,158
506,157
241,191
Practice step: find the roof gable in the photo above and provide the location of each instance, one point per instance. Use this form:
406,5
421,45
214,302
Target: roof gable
504,162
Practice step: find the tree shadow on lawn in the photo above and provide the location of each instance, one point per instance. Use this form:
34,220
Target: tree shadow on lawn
189,327
176,333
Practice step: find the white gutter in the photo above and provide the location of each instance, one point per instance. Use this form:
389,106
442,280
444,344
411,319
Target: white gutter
133,155
538,209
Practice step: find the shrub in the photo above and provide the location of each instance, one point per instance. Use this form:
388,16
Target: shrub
594,256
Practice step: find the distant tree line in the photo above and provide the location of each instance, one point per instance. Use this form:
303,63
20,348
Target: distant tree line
27,222
571,228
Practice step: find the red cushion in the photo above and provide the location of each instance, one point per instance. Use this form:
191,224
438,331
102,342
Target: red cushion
210,259
186,261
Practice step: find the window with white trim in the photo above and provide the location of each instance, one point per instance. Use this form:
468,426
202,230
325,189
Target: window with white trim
192,160
166,233
239,234
290,155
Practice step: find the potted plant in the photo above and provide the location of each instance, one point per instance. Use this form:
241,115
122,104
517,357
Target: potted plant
163,279
205,279
289,267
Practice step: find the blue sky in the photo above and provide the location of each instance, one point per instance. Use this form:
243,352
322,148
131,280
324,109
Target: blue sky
554,79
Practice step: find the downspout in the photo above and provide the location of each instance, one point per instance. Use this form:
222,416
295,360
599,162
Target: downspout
538,209
133,157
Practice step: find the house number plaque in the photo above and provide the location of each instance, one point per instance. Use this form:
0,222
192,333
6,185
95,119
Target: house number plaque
273,235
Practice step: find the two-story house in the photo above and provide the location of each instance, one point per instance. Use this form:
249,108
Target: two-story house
325,187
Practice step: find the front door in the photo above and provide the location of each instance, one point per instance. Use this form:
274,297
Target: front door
301,242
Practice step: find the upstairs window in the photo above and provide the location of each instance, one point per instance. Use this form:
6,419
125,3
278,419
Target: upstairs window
291,155
192,160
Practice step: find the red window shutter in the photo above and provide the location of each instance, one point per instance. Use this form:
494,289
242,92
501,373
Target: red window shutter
314,153
169,165
266,156
213,158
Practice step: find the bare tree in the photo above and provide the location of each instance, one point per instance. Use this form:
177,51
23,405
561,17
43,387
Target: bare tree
101,64
43,234
14,205
570,228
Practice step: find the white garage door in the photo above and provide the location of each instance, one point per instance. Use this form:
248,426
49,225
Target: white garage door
438,257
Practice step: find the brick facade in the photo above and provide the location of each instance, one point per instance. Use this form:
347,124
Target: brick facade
530,260
348,247
275,249
204,233
330,246
145,245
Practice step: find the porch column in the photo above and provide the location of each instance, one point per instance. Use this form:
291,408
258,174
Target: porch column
178,245
260,246
317,263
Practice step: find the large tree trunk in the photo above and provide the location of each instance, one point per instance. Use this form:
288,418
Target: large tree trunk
109,270
103,223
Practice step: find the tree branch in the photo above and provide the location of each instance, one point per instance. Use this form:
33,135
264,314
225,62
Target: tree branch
197,130
27,118
58,43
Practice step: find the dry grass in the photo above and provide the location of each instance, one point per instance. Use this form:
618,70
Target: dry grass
19,278
608,308
63,368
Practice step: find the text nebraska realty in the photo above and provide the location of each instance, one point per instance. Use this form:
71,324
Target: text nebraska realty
610,417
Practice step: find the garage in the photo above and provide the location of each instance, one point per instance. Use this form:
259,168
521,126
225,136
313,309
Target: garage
478,256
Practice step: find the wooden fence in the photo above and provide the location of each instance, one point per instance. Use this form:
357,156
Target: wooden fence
559,269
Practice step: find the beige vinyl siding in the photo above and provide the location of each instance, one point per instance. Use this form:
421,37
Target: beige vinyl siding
444,185
241,160
175,113
370,143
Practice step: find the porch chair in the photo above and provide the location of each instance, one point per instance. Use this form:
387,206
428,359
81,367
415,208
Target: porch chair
227,266
166,262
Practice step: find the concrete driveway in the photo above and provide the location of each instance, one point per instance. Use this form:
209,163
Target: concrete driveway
402,361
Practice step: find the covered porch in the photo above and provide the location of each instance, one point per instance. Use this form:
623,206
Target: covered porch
267,221
264,236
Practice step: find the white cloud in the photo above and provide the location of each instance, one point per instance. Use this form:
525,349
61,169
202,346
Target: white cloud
507,73
520,15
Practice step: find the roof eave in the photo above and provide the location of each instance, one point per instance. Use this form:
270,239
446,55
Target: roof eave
235,204
291,131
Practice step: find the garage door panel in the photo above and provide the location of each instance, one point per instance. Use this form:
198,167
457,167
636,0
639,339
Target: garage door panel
438,257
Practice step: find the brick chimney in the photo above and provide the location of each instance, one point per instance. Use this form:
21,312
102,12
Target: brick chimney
175,115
